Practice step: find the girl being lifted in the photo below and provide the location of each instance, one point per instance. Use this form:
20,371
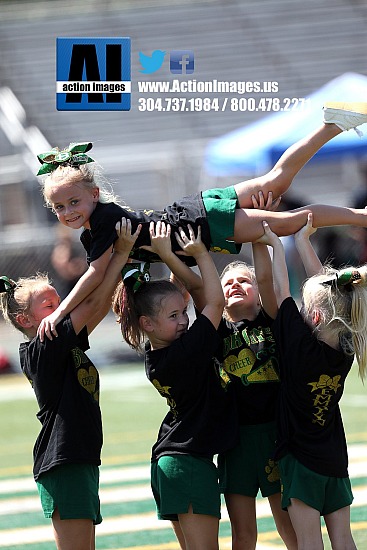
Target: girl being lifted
225,215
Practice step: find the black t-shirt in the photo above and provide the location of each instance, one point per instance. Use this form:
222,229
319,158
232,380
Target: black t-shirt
66,385
102,233
250,358
202,419
313,375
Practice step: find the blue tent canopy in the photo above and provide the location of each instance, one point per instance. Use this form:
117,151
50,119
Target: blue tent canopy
254,149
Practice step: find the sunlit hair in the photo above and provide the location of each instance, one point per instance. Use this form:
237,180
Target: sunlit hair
19,299
90,176
129,306
238,265
342,311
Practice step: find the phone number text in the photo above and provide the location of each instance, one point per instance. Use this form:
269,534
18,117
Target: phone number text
184,104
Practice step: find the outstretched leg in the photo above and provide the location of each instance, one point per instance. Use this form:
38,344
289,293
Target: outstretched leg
338,116
248,222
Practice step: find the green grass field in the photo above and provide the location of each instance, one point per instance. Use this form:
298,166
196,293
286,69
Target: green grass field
132,411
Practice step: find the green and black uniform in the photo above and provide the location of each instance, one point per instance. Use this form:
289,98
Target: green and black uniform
310,426
250,359
66,385
200,423
212,210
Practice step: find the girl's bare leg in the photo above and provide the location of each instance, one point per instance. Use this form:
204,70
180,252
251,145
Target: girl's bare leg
338,526
248,222
179,534
73,534
290,163
199,530
242,513
283,522
338,116
307,524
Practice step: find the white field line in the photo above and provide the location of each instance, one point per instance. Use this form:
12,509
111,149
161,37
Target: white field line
18,387
357,468
131,523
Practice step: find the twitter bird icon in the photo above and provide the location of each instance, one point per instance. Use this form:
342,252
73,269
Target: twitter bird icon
152,63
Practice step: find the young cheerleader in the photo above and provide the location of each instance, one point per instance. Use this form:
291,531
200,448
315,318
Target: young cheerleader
317,347
224,215
66,383
250,359
201,420
248,355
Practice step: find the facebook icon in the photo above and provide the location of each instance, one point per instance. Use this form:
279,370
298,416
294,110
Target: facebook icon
181,62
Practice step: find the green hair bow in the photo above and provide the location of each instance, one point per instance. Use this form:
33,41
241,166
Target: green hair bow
74,155
136,274
348,276
6,284
344,279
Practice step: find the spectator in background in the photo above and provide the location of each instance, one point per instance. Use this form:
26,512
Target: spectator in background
67,259
346,246
341,248
336,246
360,198
5,363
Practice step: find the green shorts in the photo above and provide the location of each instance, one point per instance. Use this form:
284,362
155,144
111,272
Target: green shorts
323,493
73,490
220,205
249,466
181,480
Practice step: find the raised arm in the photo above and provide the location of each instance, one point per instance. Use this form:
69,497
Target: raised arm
96,305
264,278
280,271
206,290
87,283
212,293
305,249
160,238
262,261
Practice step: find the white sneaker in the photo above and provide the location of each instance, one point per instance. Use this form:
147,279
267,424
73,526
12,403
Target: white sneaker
345,115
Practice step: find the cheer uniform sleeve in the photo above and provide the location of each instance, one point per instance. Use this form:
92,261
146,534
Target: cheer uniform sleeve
102,233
